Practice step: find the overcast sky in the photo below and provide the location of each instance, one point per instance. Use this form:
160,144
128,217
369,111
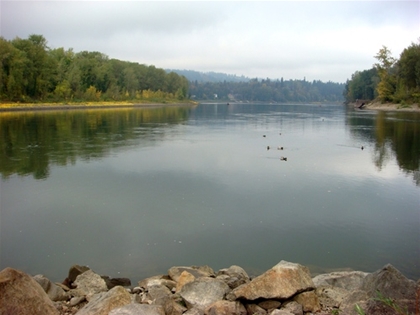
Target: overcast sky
319,40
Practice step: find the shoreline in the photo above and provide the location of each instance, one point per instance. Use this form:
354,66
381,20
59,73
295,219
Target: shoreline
389,107
98,105
285,289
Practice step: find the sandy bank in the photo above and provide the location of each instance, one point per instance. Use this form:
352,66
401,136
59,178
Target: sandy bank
392,107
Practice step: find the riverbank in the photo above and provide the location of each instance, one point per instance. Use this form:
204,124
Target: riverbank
88,105
285,289
391,107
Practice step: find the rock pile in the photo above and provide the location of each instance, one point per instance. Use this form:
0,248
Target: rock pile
285,289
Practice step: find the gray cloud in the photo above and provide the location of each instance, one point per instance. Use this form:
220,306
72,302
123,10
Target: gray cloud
327,40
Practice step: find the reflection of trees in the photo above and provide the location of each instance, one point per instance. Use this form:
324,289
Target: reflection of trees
393,134
31,141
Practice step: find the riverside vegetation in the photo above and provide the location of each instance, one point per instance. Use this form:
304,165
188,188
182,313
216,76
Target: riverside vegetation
285,289
390,80
32,72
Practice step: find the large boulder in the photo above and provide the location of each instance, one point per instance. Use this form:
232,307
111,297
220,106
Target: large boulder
54,292
88,283
348,280
20,294
344,290
391,283
203,292
280,282
103,303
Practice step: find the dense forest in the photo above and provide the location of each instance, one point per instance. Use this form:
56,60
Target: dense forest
390,80
32,72
266,90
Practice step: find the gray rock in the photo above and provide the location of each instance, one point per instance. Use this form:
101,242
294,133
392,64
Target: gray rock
157,280
88,283
76,270
103,303
280,282
234,276
173,306
138,309
196,271
349,280
391,283
292,307
331,297
203,292
54,292
226,308
159,294
20,294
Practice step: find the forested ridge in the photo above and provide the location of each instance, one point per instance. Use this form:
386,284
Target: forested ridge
266,90
32,72
389,80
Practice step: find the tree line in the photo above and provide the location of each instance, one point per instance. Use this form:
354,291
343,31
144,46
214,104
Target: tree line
30,72
389,80
266,90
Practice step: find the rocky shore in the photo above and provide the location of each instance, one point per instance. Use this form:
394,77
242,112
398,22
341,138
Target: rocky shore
285,289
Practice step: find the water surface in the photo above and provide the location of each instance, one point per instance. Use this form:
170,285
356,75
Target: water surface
132,192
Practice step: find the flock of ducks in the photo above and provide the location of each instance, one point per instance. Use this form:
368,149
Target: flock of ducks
282,158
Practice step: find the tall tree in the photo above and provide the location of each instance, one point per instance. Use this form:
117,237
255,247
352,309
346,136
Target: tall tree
386,72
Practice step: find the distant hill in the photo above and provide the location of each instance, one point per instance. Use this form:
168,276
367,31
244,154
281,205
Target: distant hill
193,76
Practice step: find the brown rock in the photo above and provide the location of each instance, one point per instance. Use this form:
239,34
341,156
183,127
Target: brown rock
309,301
254,309
20,294
183,279
280,282
196,271
269,305
103,303
226,308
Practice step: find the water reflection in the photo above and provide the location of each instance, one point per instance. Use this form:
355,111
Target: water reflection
393,135
149,189
33,141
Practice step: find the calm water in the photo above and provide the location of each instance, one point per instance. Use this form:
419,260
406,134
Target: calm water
132,192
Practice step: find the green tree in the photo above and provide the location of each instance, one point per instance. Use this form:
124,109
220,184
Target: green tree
385,67
408,87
